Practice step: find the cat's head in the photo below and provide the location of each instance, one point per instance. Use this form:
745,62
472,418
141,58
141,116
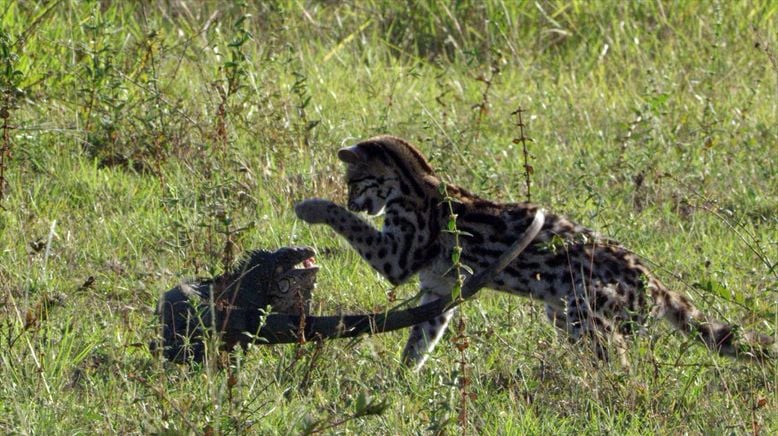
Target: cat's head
381,169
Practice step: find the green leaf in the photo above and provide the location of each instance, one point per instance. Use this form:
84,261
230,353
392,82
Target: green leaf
361,403
456,253
456,292
715,288
657,102
452,223
239,21
376,407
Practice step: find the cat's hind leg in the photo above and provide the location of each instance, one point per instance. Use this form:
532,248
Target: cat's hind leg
583,324
425,336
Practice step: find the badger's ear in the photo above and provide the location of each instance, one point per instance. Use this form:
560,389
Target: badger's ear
352,155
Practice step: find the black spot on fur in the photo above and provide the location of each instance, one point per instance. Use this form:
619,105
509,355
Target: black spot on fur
630,300
406,248
483,218
632,282
483,251
533,266
600,301
400,164
513,272
609,266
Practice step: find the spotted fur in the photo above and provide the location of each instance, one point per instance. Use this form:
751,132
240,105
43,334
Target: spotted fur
593,288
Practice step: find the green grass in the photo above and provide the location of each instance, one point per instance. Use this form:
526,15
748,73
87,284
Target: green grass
153,143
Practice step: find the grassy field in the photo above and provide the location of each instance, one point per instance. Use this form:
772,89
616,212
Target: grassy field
147,142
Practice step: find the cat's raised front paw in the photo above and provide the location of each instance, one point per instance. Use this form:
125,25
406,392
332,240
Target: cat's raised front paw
313,211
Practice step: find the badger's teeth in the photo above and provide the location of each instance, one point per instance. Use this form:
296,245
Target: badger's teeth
306,264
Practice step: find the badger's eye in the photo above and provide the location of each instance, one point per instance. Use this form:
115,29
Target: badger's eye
283,286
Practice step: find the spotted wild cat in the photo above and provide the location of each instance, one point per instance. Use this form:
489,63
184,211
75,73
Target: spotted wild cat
592,287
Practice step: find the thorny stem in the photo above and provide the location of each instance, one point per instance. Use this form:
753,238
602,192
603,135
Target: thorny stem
483,105
528,170
5,149
451,227
460,341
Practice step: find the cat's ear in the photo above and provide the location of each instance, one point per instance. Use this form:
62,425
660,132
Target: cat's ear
352,155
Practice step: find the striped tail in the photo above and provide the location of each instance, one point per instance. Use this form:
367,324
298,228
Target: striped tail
725,339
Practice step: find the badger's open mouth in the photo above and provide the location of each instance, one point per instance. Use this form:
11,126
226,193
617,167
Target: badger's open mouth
308,263
297,259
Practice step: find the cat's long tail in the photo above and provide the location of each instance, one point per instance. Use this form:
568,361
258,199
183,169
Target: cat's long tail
726,339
